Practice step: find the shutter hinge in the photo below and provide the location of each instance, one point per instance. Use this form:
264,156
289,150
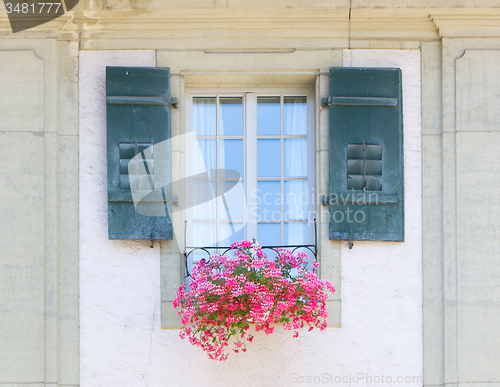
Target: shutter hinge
133,100
359,101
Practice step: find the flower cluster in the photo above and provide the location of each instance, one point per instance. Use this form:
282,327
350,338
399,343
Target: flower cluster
227,294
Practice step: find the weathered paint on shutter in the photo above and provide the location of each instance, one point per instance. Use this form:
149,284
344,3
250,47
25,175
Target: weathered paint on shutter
138,118
366,154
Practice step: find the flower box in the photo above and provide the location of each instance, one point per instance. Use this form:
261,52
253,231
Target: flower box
228,294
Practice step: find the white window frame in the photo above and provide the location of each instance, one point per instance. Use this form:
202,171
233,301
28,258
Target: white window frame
249,96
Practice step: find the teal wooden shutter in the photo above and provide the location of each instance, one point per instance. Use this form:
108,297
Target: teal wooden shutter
366,154
138,121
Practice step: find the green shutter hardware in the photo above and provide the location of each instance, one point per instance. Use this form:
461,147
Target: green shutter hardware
366,154
138,117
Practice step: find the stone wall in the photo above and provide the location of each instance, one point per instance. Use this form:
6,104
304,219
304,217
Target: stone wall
458,40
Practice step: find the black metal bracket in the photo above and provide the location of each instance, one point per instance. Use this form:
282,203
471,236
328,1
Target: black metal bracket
351,244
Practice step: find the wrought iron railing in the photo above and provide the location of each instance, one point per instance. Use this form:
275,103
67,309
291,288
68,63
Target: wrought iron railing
222,250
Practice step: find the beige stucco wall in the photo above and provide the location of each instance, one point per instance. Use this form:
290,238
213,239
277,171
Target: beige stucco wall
120,281
39,234
38,207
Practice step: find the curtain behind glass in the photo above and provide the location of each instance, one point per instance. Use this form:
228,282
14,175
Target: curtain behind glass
204,160
295,123
204,116
295,116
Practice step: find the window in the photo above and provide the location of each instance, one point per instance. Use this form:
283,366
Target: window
251,163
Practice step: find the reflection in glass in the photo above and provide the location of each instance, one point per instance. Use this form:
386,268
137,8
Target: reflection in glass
204,234
269,234
204,116
204,160
295,157
231,156
231,200
268,158
295,115
195,257
268,116
204,192
230,232
295,233
269,199
295,199
281,163
231,116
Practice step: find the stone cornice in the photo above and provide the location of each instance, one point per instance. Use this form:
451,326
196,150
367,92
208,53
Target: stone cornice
472,25
290,27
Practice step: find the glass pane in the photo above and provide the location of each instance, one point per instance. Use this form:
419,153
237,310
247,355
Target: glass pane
231,157
269,199
231,200
204,116
204,234
309,259
295,115
270,254
195,257
192,259
269,234
268,158
295,233
230,232
204,203
204,156
296,199
295,157
231,116
268,115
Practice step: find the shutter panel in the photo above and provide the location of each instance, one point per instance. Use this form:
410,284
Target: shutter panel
139,167
366,154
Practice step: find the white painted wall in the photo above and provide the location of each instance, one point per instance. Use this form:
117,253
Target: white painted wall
121,340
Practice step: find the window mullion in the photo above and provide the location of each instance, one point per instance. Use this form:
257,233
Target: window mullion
311,167
282,177
188,212
217,166
250,141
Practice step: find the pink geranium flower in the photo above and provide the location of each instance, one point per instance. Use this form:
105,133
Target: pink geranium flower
228,294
